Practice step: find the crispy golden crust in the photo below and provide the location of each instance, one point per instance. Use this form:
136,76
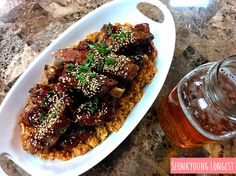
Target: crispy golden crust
127,102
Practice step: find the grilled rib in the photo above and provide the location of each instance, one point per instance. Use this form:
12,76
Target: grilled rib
119,39
110,64
32,115
93,112
74,136
49,131
90,83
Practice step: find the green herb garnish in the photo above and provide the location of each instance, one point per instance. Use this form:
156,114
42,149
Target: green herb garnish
69,69
94,106
92,75
110,61
102,48
138,52
81,79
43,102
114,35
89,59
91,46
52,115
128,34
71,65
100,66
122,35
84,69
42,117
63,129
108,28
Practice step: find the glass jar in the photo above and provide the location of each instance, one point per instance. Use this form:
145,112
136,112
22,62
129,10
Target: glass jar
202,108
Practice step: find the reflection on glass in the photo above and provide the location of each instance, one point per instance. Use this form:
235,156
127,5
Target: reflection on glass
2,3
189,3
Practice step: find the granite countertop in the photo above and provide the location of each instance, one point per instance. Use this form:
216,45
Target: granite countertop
203,34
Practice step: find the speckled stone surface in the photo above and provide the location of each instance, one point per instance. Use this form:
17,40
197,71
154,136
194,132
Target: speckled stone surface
203,35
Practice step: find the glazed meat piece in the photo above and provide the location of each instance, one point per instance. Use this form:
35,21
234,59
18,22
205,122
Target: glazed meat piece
119,39
32,115
94,112
119,67
139,54
110,64
71,55
142,34
54,125
89,83
38,93
43,96
83,46
75,136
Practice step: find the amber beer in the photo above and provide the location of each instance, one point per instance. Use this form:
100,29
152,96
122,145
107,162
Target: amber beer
202,108
176,126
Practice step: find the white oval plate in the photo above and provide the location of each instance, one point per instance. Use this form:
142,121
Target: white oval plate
117,11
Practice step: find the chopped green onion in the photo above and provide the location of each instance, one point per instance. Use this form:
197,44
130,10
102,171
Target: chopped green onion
52,115
100,66
44,101
110,61
94,106
63,129
114,35
92,75
138,52
91,46
128,34
71,65
82,79
122,35
81,130
42,117
69,69
108,28
84,69
102,48
96,101
89,59
93,110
